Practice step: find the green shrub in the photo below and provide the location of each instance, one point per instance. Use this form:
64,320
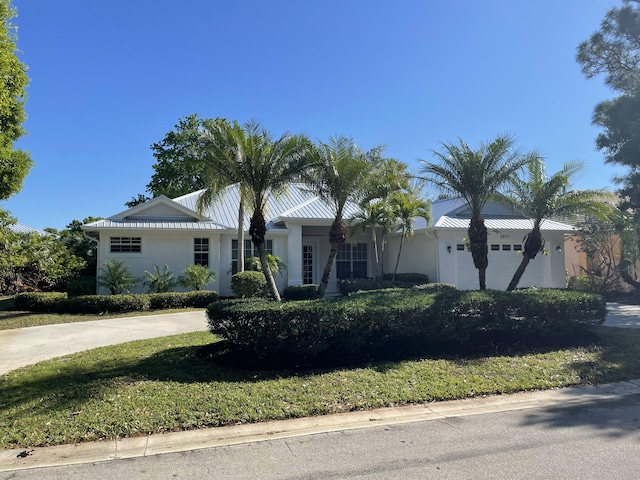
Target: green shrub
435,287
414,278
40,301
195,277
159,281
158,301
115,277
200,299
373,319
249,284
107,303
300,292
81,286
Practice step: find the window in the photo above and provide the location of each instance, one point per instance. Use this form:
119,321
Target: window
201,251
517,248
495,247
460,247
126,244
249,251
506,248
351,261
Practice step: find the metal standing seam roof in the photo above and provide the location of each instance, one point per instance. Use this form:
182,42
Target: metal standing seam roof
503,224
156,225
22,228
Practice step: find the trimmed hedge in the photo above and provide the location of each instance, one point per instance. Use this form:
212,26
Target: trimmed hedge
61,303
249,284
403,280
300,292
368,320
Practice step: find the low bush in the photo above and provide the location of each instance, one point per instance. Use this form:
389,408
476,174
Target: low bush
300,292
403,280
249,284
60,303
414,278
81,286
371,320
39,301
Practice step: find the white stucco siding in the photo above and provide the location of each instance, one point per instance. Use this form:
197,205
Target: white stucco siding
174,249
418,255
546,270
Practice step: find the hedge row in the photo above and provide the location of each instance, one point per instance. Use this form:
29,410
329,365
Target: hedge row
61,303
402,280
367,320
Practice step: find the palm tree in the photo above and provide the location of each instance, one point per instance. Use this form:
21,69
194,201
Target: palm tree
223,168
266,169
476,176
338,176
407,205
540,197
373,214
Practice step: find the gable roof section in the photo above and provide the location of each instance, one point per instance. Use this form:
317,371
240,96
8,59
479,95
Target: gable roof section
452,213
160,207
22,228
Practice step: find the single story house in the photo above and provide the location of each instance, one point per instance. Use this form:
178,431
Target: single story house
172,232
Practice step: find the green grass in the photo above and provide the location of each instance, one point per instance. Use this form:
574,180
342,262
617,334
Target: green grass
10,319
163,385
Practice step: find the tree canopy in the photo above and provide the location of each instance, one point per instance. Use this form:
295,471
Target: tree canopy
14,163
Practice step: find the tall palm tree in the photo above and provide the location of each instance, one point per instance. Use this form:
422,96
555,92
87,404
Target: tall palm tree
371,216
267,169
476,176
338,176
539,197
407,205
223,168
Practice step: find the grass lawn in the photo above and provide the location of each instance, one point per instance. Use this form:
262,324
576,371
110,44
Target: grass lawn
169,384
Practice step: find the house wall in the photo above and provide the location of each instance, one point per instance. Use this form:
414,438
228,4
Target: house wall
419,255
174,249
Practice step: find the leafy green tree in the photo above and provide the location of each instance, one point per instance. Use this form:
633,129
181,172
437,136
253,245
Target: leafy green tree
14,163
406,206
476,176
115,276
29,261
196,277
159,281
267,168
339,174
179,167
614,51
540,196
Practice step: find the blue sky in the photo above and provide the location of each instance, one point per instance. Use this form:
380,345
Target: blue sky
108,79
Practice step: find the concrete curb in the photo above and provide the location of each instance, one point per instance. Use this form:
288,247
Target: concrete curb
109,450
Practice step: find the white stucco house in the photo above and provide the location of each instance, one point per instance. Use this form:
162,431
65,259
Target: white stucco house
172,232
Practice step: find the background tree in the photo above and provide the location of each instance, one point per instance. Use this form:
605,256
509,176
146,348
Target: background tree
614,51
338,175
14,163
29,261
540,196
179,168
476,176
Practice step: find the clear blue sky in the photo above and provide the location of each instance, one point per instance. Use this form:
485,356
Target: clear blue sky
108,79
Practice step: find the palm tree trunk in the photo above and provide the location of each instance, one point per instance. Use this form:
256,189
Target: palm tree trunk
374,239
337,236
240,267
395,270
478,243
268,274
519,272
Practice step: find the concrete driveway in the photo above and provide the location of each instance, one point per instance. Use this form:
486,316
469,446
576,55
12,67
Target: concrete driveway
26,346
622,316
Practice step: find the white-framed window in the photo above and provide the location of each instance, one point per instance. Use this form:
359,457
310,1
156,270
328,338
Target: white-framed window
126,244
249,251
201,251
351,261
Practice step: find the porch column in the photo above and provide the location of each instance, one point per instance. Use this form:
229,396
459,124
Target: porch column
294,255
